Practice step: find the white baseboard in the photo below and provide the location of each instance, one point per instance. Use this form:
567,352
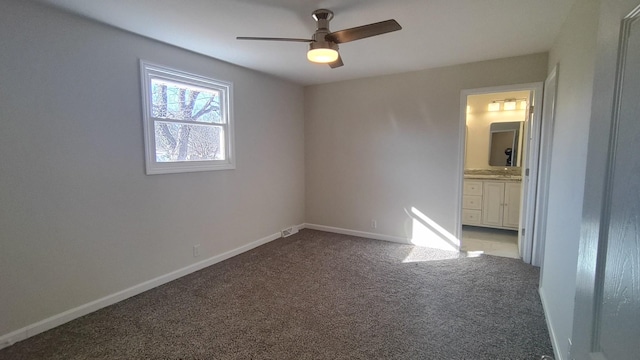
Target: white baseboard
395,239
554,339
59,319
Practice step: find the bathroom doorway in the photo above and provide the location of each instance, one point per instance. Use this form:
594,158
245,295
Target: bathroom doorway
499,140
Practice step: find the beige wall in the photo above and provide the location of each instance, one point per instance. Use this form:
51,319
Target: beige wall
377,147
79,219
574,52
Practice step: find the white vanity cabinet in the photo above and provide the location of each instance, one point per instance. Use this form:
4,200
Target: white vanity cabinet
501,204
491,203
472,203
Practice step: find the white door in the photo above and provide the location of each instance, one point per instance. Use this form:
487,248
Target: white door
607,315
539,227
530,177
511,213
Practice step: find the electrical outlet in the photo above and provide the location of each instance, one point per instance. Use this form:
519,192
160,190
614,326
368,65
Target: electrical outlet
196,250
374,224
289,231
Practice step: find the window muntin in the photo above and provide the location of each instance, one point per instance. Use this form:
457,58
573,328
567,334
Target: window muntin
187,121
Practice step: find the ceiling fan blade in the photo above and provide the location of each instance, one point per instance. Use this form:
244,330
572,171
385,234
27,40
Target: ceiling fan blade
337,63
365,31
272,39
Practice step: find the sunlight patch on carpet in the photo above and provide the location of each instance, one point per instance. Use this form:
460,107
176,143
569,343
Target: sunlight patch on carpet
428,233
422,254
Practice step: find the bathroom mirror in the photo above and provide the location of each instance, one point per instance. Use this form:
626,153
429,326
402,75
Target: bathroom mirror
504,144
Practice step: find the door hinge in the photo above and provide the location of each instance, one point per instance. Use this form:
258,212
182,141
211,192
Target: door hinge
531,109
522,231
526,172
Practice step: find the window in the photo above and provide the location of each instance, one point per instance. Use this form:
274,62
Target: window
187,121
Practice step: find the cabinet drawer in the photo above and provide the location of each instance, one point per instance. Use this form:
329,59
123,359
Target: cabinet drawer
471,217
472,202
472,188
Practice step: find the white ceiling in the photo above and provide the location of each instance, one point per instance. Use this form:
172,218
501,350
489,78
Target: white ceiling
435,32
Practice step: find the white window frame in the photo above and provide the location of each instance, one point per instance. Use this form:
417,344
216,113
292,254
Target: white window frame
151,71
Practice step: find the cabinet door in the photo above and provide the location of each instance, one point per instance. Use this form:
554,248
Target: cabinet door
492,203
511,205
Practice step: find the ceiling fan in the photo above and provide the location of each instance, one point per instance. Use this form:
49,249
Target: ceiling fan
323,45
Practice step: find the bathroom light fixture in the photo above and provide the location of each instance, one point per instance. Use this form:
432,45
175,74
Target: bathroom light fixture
508,104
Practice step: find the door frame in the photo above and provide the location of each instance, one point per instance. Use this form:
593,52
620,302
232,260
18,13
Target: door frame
529,183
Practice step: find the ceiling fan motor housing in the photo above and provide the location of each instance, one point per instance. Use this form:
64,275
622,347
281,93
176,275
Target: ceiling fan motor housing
323,44
322,18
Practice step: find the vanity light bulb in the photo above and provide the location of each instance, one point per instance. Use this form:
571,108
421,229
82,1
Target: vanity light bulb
494,106
510,105
523,105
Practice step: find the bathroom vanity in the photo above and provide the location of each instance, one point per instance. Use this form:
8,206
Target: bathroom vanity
491,201
493,171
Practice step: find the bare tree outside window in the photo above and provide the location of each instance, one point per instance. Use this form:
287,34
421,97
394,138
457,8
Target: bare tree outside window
181,141
187,121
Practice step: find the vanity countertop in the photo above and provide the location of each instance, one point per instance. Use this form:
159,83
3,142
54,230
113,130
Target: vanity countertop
508,174
493,177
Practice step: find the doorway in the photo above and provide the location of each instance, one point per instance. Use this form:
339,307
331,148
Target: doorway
500,144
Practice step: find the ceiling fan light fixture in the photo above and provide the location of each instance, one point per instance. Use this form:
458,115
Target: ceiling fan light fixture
322,56
322,52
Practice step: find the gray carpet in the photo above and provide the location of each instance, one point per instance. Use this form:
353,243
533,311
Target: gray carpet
318,295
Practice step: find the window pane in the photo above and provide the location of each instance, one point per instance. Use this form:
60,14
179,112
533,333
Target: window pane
181,142
172,100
